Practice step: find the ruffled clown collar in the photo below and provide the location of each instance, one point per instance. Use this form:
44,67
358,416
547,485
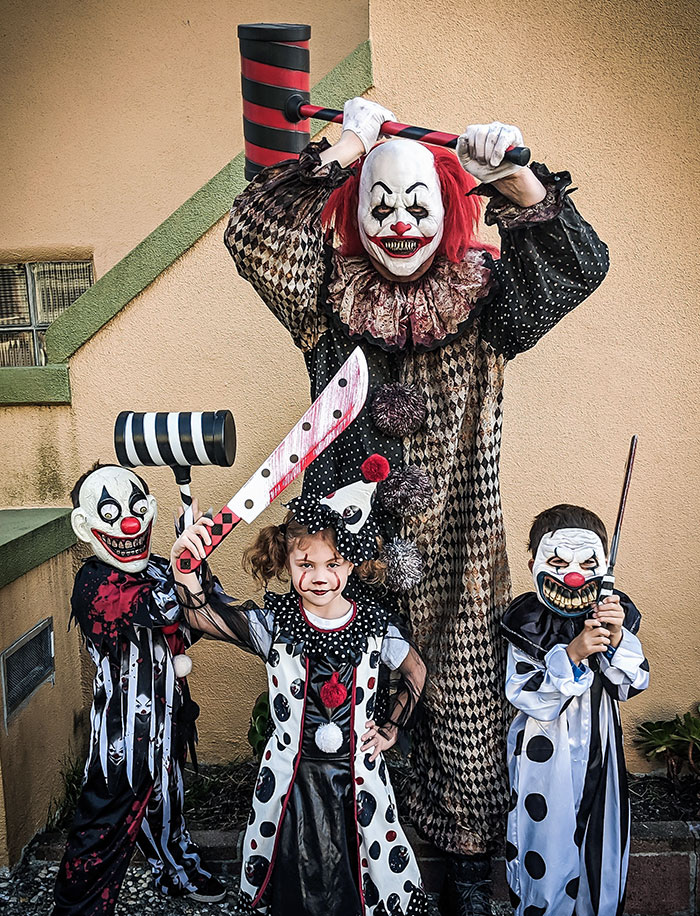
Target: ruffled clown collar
425,313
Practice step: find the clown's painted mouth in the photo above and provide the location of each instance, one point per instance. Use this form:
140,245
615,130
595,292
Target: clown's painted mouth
399,246
568,601
126,549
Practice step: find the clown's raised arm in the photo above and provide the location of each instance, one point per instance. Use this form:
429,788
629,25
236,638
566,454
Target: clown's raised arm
550,258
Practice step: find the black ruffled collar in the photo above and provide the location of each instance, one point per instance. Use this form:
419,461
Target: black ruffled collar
534,629
302,638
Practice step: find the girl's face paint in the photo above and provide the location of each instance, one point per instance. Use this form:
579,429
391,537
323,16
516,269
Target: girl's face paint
320,575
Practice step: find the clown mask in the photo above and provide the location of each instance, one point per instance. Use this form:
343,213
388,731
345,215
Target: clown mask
115,516
400,213
567,570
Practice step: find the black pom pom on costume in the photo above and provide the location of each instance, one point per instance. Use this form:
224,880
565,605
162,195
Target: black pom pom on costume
398,409
407,491
404,565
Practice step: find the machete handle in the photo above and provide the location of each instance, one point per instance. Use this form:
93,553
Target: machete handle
223,523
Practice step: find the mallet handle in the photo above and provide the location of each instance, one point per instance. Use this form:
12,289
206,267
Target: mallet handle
297,108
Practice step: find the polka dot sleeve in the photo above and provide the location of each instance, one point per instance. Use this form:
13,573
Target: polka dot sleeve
551,260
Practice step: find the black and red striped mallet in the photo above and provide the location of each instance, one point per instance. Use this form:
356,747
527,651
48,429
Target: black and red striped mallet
276,107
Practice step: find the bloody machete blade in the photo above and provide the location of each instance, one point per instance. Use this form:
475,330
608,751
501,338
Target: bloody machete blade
333,411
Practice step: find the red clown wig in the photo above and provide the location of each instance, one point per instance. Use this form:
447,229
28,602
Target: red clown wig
461,212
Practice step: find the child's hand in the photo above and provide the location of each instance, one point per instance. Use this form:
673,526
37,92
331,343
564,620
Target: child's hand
610,613
592,638
377,739
193,538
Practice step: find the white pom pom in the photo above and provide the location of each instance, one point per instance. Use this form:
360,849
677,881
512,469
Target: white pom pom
182,665
328,738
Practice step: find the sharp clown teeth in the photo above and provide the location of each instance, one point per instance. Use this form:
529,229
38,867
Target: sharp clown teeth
125,548
570,599
400,246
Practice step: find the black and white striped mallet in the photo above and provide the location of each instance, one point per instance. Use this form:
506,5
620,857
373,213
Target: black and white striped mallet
179,440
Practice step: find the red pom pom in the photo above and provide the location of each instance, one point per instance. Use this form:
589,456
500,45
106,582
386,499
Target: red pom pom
375,468
333,694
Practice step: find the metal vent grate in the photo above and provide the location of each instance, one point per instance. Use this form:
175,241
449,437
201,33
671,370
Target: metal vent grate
26,665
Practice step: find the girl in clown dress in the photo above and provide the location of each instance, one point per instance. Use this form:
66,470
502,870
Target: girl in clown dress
323,838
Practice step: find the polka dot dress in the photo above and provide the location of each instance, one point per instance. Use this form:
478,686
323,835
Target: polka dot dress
568,820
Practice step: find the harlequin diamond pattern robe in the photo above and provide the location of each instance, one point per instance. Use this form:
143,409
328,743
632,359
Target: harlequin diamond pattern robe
451,333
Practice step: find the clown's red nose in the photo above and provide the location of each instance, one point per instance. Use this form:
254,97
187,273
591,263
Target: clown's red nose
130,525
400,228
574,580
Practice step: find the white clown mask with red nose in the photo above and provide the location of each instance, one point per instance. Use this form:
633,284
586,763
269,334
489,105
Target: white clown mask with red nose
400,213
567,570
115,515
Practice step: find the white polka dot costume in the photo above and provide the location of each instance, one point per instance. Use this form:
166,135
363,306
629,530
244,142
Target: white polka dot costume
446,337
568,825
389,879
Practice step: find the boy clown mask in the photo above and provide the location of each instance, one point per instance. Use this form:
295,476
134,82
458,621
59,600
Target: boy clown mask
115,516
567,570
400,213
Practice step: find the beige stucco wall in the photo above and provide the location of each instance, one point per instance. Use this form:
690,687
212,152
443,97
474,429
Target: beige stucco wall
50,729
602,89
606,90
115,113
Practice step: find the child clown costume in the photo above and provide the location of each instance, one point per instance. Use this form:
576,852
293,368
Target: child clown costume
323,837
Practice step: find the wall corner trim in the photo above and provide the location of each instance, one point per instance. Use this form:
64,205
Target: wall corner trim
30,537
130,276
34,385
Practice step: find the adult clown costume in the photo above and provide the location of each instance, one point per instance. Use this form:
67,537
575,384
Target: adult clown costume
386,255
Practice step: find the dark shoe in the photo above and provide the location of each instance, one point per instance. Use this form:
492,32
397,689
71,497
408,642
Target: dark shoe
209,890
467,887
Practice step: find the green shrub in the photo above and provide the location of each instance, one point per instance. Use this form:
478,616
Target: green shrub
260,724
674,741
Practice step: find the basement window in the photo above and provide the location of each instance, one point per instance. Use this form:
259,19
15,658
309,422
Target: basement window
32,295
26,665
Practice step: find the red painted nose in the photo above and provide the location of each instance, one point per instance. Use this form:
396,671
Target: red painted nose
574,580
400,228
130,525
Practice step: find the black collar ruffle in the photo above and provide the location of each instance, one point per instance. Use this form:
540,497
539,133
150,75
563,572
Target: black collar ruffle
532,627
347,644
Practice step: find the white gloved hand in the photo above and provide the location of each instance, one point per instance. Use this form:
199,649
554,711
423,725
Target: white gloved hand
481,149
365,119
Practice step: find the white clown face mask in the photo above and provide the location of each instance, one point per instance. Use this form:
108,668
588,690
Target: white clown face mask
115,516
567,570
400,213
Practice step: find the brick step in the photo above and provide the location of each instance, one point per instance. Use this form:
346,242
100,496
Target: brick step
663,871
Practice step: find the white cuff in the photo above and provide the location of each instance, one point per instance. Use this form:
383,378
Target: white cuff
561,673
624,664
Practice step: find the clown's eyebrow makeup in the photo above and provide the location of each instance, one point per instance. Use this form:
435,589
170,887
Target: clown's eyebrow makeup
417,184
381,184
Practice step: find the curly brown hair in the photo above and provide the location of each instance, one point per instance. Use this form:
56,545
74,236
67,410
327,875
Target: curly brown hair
266,559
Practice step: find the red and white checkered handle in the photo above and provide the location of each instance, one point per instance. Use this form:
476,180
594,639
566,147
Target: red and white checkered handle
333,411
